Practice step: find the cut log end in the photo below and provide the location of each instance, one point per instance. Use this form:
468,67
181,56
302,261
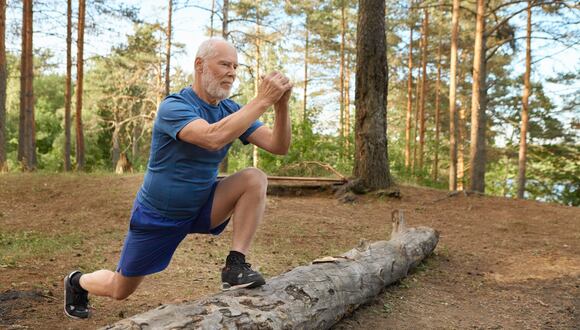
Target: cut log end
398,223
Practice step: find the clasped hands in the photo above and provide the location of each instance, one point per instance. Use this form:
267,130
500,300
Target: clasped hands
275,89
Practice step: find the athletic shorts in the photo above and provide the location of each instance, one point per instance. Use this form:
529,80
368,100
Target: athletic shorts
152,238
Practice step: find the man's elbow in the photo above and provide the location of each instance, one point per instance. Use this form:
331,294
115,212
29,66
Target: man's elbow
281,151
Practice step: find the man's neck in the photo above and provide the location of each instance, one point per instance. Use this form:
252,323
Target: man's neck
200,92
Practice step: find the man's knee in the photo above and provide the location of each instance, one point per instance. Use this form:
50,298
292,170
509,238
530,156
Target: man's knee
256,179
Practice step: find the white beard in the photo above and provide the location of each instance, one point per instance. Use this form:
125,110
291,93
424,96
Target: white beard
212,86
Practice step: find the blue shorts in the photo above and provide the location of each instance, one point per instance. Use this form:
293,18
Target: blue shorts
152,238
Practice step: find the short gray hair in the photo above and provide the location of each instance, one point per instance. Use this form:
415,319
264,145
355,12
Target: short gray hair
207,48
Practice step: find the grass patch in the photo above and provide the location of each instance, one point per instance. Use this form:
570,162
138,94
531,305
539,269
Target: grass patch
18,246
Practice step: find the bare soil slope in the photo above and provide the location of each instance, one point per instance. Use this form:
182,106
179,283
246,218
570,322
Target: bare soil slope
500,263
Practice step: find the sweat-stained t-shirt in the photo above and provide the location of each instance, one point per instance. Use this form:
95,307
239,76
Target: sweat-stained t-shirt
179,174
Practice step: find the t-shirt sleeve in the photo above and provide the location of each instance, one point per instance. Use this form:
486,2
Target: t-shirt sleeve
233,106
255,125
173,115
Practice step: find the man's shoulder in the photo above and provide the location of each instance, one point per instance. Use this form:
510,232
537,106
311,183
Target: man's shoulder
176,101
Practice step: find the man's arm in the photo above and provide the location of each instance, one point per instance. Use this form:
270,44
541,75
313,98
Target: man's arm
215,136
276,141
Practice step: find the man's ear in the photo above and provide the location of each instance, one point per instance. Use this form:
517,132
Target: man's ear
198,65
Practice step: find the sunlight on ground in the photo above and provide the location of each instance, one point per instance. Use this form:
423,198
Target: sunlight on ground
536,268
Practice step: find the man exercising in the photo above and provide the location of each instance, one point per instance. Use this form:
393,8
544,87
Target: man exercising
192,133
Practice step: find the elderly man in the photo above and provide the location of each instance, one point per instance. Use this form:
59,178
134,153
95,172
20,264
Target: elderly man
180,194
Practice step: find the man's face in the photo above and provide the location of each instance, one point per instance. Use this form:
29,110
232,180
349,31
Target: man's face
219,72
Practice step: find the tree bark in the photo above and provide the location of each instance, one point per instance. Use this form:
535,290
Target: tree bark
461,128
416,128
341,75
116,144
452,98
422,121
371,153
306,59
478,103
525,111
80,139
409,101
225,21
168,49
3,84
68,89
347,103
211,18
437,108
308,297
26,138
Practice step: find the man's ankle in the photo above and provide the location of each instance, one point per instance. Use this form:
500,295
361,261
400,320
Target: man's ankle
235,257
75,281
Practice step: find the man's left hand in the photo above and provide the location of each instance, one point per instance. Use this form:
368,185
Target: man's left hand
284,99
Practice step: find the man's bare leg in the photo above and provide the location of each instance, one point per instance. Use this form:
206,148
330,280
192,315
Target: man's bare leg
244,195
110,284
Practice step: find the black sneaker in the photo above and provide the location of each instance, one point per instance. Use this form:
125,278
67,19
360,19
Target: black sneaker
240,275
76,304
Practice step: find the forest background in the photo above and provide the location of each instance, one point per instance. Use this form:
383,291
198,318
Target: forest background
137,52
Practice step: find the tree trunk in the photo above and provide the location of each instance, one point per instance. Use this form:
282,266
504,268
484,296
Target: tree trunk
461,124
225,11
347,103
525,110
306,59
225,21
371,153
341,75
27,139
416,128
158,79
308,297
478,100
409,101
211,18
68,89
3,84
437,108
462,129
168,49
79,89
452,98
116,144
422,121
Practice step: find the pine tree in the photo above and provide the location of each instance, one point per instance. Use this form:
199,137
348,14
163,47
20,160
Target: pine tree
371,158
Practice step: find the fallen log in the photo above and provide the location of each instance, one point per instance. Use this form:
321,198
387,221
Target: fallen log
308,297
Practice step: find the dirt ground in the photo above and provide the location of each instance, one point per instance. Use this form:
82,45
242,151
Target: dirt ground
500,263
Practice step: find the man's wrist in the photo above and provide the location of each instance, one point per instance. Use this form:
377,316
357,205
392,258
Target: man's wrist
262,103
281,106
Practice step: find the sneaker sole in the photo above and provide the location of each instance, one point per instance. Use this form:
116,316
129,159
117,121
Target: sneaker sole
251,285
64,305
228,287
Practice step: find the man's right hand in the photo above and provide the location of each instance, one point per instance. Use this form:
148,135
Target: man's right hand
272,87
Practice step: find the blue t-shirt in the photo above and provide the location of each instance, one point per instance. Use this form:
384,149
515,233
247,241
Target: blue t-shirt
179,174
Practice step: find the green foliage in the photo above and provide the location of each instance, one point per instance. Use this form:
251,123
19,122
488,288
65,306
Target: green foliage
123,89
